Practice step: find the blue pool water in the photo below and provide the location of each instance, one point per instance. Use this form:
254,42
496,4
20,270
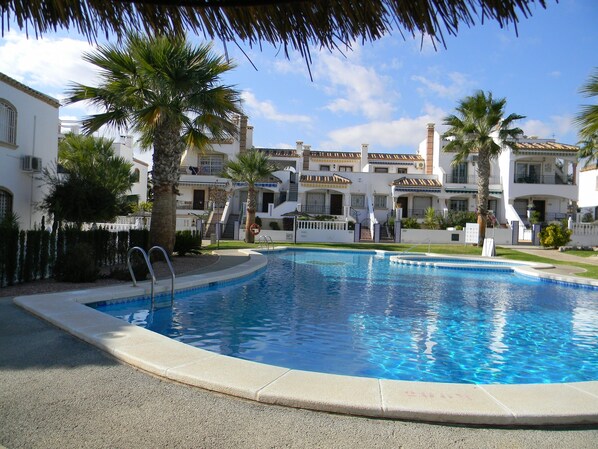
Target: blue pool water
460,260
357,314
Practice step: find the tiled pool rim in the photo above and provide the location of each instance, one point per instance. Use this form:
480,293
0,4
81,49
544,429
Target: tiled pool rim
493,405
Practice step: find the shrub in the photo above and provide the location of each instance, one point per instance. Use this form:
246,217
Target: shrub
555,235
186,242
258,221
9,248
431,219
457,218
77,264
587,218
534,217
274,226
409,223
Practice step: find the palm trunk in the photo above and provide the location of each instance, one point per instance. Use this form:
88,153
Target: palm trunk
168,149
249,237
483,193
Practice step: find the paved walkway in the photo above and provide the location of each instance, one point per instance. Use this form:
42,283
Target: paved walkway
58,392
557,255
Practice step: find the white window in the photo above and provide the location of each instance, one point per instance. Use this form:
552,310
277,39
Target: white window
380,201
528,172
358,201
460,205
345,168
401,170
324,167
380,169
8,123
211,164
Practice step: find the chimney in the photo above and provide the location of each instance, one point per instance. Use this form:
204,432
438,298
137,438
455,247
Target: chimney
430,149
364,155
243,134
306,153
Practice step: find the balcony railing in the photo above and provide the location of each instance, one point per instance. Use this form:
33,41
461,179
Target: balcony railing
206,171
545,179
473,179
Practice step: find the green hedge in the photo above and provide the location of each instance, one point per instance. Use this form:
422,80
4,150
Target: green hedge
30,255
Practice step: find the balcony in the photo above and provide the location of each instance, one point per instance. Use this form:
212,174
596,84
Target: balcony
542,179
203,171
473,179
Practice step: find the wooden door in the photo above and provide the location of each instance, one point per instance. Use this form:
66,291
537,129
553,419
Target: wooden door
199,199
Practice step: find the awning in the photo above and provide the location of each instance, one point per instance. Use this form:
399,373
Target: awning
204,183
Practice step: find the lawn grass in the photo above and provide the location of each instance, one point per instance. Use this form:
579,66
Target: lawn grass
466,250
580,253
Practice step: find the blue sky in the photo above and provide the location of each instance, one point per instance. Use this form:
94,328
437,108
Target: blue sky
382,93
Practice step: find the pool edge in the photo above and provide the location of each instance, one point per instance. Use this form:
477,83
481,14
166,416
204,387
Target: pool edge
492,405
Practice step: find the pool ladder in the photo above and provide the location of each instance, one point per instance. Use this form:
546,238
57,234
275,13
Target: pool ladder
265,240
146,258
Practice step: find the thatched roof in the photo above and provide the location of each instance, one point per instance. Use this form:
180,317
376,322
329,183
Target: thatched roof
290,24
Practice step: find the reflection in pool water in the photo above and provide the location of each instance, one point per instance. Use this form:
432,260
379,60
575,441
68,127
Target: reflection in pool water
357,314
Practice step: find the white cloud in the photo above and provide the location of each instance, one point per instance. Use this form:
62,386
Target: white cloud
359,89
456,86
559,127
268,110
386,135
45,64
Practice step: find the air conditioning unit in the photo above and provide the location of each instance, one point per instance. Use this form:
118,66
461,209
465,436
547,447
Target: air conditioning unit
419,165
31,164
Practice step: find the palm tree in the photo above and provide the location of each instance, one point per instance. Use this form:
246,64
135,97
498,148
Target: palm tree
93,158
588,122
170,93
589,149
479,127
93,183
251,167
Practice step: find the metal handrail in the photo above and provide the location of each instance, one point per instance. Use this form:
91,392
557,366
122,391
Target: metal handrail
167,259
149,267
416,245
266,239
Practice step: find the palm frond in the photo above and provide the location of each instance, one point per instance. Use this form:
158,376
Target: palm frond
289,24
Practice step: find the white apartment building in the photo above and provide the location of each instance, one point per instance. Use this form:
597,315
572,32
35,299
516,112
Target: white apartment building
124,147
588,190
541,176
365,186
29,127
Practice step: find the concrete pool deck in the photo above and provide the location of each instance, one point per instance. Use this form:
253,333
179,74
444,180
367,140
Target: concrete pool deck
496,405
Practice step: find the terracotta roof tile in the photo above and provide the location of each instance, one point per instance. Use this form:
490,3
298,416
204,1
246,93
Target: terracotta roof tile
279,152
393,156
334,155
546,146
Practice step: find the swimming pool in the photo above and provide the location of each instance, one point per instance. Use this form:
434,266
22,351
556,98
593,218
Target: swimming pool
357,314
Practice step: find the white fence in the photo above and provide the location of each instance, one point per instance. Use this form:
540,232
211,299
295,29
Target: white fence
501,236
324,231
584,234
